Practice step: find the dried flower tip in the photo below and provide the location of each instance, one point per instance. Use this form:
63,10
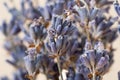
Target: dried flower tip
119,75
59,42
119,28
91,57
99,47
102,62
53,47
37,31
61,27
85,61
29,64
117,7
114,19
31,51
93,13
59,7
83,14
88,46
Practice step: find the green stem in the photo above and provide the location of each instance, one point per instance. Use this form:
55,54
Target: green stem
59,68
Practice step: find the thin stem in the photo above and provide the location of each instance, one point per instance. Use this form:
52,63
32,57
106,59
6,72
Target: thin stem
94,75
87,31
59,68
45,73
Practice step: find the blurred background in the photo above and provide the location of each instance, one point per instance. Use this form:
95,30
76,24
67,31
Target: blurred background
7,70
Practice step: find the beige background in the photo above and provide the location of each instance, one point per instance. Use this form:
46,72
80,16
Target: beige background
6,69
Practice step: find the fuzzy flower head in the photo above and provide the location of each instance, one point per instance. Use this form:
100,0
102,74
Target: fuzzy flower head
94,62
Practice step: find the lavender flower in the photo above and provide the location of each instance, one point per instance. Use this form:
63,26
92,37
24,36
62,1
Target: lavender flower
58,8
91,20
37,31
61,27
92,62
30,61
118,75
68,35
117,7
4,78
56,47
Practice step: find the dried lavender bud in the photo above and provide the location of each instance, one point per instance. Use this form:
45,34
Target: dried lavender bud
33,12
58,29
20,75
83,13
51,32
85,61
39,65
119,28
4,28
50,6
37,31
15,30
99,19
88,46
112,32
70,74
93,61
48,48
99,47
13,63
70,4
98,31
64,31
29,64
79,76
117,7
58,9
74,46
57,46
65,45
59,42
112,21
91,57
107,24
11,29
31,51
53,47
61,27
72,53
28,39
119,75
46,14
102,62
100,26
59,21
93,13
30,60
